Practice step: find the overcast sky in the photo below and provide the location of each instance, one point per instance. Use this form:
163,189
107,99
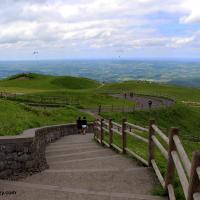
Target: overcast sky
99,29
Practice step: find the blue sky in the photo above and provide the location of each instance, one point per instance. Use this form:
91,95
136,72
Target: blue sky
70,29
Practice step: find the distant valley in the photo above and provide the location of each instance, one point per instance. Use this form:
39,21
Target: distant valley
178,72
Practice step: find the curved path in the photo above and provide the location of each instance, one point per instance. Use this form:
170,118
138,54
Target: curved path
142,101
80,169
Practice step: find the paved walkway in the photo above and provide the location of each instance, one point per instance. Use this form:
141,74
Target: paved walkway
80,169
142,102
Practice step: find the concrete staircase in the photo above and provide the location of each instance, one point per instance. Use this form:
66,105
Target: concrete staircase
82,169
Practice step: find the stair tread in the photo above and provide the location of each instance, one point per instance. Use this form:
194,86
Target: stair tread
39,191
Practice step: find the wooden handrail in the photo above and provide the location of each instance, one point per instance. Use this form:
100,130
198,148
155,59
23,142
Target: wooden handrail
105,129
116,147
105,123
182,154
137,127
160,133
181,173
160,147
194,184
157,171
116,131
171,192
198,172
137,136
137,156
116,124
177,158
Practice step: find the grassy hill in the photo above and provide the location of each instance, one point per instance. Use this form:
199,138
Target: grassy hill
36,82
14,117
90,94
158,89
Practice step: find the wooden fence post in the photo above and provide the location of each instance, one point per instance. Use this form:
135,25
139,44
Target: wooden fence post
169,178
101,131
124,136
194,185
151,143
99,111
110,132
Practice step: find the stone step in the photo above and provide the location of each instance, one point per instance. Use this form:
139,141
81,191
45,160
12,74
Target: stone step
129,180
75,160
31,191
117,161
70,150
64,145
60,147
79,155
77,138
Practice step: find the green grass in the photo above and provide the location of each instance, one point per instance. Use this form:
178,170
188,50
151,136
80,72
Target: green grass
86,93
157,89
38,82
181,116
15,118
86,99
186,118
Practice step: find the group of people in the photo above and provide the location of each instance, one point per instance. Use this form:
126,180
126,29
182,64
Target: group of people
82,125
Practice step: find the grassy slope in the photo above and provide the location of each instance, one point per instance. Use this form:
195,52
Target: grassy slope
15,118
90,94
46,83
81,90
184,117
87,98
144,87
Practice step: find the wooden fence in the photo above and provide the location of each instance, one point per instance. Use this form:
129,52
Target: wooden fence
113,108
170,147
36,100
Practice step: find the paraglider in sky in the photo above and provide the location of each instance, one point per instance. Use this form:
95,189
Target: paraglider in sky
35,52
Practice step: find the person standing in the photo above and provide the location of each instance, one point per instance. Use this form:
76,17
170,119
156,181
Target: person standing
79,125
84,125
150,104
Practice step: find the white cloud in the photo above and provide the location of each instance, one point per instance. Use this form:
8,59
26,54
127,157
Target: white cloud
192,9
99,24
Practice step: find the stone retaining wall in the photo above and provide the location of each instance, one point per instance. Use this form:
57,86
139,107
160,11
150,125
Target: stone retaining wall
25,153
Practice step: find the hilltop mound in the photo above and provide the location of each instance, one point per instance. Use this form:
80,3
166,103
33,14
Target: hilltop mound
22,76
75,82
33,81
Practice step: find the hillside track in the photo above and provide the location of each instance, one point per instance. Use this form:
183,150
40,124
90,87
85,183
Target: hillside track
142,102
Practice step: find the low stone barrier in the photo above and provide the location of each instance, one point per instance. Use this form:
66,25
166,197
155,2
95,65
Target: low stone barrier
25,153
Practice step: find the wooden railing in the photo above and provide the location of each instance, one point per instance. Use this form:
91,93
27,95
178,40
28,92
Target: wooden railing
36,100
113,108
170,147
